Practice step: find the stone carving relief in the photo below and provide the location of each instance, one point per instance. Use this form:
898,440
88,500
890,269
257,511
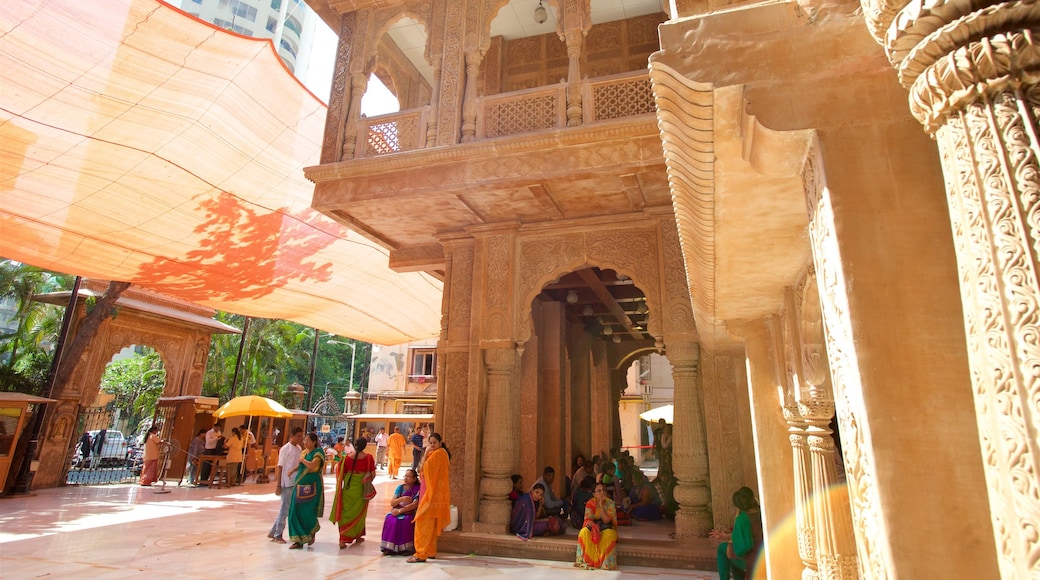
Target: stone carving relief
451,73
335,116
461,294
453,427
498,286
869,525
676,292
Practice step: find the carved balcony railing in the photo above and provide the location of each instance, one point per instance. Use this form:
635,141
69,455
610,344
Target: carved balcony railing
392,133
616,96
522,111
526,111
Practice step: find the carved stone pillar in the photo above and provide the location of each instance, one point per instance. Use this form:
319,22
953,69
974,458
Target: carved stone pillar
431,122
835,544
803,510
575,41
498,453
576,21
335,117
469,105
689,444
972,70
358,86
834,540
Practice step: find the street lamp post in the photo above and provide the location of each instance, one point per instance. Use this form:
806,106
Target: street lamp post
353,351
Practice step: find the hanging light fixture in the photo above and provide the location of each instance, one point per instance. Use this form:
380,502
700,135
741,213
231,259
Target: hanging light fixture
587,311
607,330
617,339
540,15
572,297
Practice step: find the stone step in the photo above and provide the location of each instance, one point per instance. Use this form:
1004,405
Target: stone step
694,555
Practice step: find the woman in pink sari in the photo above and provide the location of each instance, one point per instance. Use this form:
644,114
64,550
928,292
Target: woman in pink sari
350,507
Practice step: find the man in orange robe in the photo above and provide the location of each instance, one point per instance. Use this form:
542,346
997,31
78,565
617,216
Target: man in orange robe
395,450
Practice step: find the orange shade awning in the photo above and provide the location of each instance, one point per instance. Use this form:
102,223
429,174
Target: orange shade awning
140,144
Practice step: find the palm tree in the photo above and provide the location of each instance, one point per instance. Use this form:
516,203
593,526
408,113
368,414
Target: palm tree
24,349
36,322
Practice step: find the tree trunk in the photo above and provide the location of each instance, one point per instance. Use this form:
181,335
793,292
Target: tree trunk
85,332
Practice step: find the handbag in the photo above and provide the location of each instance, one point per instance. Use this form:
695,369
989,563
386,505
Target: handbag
306,492
368,491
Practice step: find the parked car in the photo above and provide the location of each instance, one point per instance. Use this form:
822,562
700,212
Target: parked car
113,452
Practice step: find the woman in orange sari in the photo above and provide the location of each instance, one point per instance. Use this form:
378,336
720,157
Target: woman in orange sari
434,511
350,508
598,536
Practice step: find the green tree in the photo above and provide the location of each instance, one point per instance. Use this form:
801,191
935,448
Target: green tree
137,383
25,350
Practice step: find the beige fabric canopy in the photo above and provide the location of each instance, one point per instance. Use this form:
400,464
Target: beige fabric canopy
140,144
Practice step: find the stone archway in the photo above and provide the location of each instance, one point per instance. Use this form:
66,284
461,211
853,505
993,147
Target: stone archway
179,331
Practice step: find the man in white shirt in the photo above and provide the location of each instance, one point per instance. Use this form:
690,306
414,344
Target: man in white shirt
381,442
212,436
284,480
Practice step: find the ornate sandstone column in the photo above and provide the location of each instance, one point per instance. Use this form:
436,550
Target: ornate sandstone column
803,513
574,40
358,86
834,541
972,69
499,453
689,444
835,545
431,122
469,105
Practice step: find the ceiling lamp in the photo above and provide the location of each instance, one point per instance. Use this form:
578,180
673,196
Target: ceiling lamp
587,311
642,309
617,339
540,15
607,330
572,297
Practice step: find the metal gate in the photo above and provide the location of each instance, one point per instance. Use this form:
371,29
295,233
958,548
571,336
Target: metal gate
100,455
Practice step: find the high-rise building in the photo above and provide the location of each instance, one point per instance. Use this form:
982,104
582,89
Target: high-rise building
291,23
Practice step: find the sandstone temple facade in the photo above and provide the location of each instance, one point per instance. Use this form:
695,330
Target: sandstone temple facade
820,209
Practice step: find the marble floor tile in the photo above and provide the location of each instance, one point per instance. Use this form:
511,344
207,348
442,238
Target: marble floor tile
126,531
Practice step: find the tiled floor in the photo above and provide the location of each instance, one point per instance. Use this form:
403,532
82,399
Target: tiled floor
127,531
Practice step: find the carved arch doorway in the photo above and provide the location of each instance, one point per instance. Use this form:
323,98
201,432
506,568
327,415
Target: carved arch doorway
585,322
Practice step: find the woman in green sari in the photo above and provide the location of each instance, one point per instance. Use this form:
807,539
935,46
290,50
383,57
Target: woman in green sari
308,501
354,490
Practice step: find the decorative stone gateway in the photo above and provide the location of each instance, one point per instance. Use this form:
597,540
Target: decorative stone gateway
179,331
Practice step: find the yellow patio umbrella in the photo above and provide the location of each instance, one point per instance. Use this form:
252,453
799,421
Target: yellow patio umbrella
655,415
251,405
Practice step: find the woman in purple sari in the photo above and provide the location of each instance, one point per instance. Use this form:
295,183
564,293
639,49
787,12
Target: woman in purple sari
529,519
398,529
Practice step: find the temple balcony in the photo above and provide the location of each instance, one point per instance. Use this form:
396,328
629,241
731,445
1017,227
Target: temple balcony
524,165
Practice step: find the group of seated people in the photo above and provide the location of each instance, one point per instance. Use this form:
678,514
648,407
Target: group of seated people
598,497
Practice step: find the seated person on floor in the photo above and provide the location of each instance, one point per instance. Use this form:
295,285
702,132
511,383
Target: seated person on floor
553,505
642,503
582,494
664,485
518,488
529,517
